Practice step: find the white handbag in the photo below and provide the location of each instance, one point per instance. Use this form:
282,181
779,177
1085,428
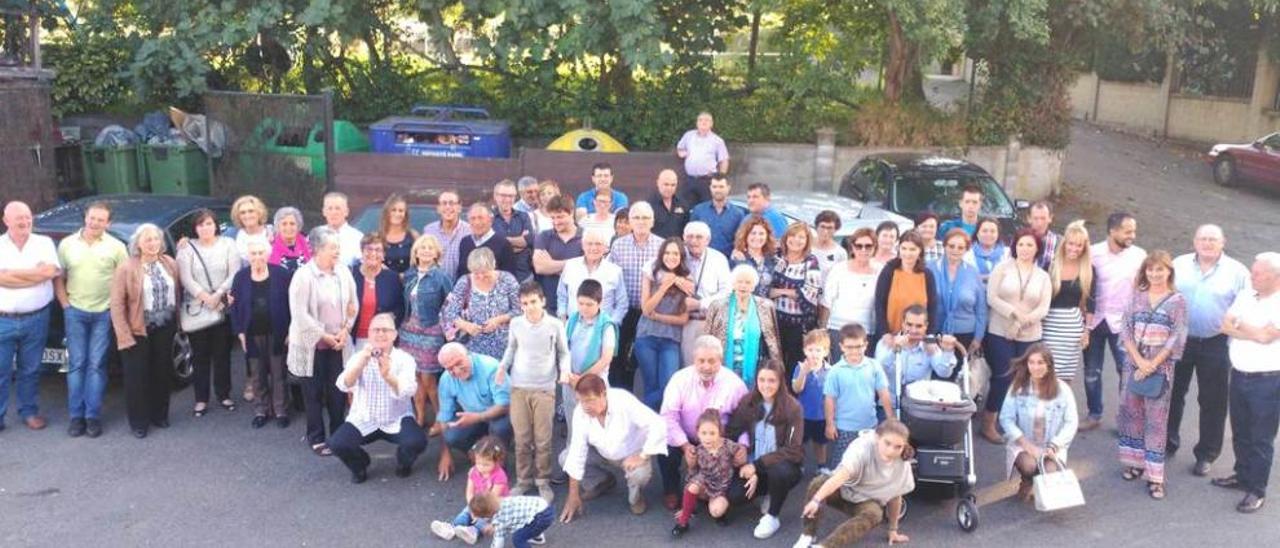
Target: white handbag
1057,490
979,376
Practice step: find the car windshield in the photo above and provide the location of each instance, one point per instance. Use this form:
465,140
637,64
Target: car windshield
940,193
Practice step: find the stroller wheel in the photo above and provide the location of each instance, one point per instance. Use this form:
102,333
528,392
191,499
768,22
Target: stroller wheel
902,514
967,514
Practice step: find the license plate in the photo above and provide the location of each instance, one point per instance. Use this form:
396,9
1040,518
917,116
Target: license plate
54,355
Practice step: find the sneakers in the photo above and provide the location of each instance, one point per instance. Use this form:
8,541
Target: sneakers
520,488
465,533
544,491
805,541
443,530
538,540
1250,504
767,527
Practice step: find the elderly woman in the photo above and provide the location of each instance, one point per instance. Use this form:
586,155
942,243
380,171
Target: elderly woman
206,266
260,320
755,247
322,309
1038,417
849,295
289,248
962,297
425,287
927,228
145,292
663,290
743,320
1155,331
905,281
773,422
378,288
249,215
796,290
397,235
481,305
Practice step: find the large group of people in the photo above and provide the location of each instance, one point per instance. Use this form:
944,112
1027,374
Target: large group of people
751,339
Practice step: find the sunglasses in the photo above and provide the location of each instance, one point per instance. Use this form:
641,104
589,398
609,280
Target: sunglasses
864,246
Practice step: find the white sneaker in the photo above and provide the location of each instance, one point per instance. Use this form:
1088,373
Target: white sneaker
805,541
538,540
442,530
764,506
767,527
466,534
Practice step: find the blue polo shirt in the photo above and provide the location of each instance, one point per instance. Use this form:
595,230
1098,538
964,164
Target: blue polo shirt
588,200
1209,295
724,224
854,389
475,394
776,221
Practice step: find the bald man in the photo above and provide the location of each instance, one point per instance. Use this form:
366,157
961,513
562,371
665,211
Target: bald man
670,212
28,266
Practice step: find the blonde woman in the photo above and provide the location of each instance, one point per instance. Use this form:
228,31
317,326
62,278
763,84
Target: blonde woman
1073,295
397,234
425,287
547,190
249,215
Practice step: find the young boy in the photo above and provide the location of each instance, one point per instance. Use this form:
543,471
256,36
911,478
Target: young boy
850,391
537,357
524,518
592,339
808,382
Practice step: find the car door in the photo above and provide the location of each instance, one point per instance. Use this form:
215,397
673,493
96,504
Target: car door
1268,168
1251,160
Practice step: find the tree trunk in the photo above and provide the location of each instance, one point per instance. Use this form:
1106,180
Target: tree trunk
902,75
752,48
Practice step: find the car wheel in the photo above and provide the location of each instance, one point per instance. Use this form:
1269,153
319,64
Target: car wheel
1224,171
181,357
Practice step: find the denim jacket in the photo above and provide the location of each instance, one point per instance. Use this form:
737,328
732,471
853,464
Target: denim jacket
1017,416
962,300
436,286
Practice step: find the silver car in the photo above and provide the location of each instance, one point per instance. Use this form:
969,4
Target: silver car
804,206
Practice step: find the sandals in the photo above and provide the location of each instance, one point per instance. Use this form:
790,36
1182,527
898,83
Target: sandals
1156,490
228,404
321,450
1131,474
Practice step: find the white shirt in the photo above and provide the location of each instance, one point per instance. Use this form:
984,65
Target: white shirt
1252,356
38,249
711,277
607,273
349,244
629,428
850,297
374,406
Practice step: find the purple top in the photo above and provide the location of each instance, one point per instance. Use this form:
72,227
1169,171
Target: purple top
705,152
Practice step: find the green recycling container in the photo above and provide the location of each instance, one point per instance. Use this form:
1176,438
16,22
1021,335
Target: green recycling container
177,170
113,170
305,145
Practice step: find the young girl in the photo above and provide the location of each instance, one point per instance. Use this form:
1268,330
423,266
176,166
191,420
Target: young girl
711,466
486,476
807,384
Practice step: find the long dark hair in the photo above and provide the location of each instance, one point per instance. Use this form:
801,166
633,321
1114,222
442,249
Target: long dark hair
784,404
681,269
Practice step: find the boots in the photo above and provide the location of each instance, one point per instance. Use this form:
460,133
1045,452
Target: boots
989,428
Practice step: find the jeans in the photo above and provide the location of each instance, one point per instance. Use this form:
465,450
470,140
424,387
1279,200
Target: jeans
347,444
464,437
1094,356
465,519
88,341
539,524
1255,416
1208,360
658,359
24,338
622,370
1000,355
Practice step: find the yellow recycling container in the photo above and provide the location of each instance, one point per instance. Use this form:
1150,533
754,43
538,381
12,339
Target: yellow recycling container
586,140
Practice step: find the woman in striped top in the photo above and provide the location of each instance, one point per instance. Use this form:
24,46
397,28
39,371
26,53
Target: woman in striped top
1073,294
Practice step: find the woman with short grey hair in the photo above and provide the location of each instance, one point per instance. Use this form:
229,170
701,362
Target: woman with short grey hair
290,248
322,307
481,305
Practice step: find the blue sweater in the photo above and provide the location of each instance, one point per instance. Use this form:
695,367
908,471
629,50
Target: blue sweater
388,291
277,300
962,302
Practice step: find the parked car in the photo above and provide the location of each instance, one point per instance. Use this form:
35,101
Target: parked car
912,183
804,206
174,214
420,215
1257,162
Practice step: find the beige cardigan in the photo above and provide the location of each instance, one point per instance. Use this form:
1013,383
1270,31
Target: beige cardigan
126,299
1005,295
305,329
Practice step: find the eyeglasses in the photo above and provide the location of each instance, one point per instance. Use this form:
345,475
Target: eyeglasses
382,330
373,250
864,246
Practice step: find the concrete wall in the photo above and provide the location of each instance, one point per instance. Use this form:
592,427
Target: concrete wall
1133,106
1209,119
1081,93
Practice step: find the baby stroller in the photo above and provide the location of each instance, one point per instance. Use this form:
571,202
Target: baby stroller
938,413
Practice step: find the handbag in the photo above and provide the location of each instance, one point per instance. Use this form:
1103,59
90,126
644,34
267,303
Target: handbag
194,315
1152,386
453,333
1057,490
979,376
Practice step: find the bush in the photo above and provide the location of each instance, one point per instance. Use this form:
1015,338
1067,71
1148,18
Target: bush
88,77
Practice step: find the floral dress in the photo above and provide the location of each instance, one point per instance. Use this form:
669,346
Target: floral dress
470,304
713,471
1144,423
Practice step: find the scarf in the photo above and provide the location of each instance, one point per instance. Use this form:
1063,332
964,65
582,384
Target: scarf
161,310
987,260
597,336
280,250
750,339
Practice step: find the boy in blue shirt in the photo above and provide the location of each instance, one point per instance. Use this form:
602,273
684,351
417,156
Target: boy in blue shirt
807,382
850,393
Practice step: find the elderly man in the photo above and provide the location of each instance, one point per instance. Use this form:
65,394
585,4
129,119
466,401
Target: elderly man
472,404
335,211
1210,281
919,357
1253,324
612,430
692,390
529,199
1040,217
670,212
515,226
601,180
450,230
634,253
1116,262
381,380
592,265
554,247
704,153
480,218
28,266
709,270
722,216
758,203
90,258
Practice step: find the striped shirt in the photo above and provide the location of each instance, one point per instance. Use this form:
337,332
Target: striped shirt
633,256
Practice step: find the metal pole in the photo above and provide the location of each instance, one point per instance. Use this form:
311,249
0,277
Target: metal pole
329,151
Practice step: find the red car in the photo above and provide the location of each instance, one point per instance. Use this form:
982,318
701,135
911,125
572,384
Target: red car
1257,162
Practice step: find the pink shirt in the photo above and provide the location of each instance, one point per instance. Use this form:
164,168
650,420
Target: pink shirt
687,397
481,483
1115,277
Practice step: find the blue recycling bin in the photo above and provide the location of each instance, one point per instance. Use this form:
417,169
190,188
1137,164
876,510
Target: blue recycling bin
442,131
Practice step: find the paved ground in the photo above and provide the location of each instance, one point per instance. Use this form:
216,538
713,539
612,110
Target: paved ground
214,481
